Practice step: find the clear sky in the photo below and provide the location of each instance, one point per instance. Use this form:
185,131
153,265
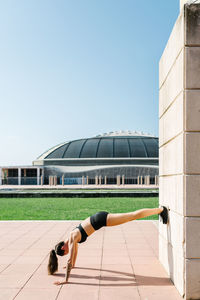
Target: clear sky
75,69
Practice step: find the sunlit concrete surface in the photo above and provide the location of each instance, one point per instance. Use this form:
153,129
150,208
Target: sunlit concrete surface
77,187
118,262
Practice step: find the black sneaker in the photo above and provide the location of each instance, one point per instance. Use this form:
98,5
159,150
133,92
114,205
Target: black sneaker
164,215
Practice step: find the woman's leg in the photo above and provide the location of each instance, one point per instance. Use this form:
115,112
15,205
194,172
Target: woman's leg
117,219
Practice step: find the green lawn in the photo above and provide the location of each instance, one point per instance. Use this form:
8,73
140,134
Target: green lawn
69,208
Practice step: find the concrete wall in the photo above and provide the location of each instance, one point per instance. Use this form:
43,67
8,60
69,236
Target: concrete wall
179,125
182,2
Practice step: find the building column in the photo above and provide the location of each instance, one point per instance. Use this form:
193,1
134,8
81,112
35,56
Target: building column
123,179
42,180
19,176
49,180
156,180
0,176
105,180
118,179
38,176
83,180
179,159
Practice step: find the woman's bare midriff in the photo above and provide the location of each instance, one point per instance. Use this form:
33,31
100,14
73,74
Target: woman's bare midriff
87,226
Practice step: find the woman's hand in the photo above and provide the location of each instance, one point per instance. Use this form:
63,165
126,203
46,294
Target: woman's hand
60,282
66,267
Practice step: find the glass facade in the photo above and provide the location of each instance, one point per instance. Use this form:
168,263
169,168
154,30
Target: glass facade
90,148
107,147
108,157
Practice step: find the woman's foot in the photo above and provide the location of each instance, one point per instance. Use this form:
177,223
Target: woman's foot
164,215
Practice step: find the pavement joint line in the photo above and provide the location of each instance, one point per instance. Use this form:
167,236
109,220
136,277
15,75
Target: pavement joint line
130,261
39,264
10,230
140,290
101,263
36,268
34,242
149,243
21,235
19,254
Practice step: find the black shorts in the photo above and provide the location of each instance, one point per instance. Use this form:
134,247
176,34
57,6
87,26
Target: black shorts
99,220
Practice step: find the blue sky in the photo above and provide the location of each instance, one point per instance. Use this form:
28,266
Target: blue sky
74,69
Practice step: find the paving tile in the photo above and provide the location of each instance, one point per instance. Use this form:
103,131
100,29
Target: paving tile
155,292
42,269
117,282
114,246
44,281
89,252
116,263
26,269
124,270
116,275
33,294
120,260
8,294
79,292
12,281
150,280
144,260
141,252
92,279
84,260
7,259
89,270
124,293
93,246
114,239
120,252
3,267
11,252
135,246
29,260
151,274
35,252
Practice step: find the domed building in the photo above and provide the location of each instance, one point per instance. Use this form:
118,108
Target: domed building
115,157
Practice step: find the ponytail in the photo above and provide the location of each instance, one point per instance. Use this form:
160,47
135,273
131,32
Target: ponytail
53,263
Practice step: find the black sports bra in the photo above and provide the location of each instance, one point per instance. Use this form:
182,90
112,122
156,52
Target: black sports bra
97,221
83,234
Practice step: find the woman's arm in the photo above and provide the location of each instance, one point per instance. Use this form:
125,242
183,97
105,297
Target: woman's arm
75,255
72,253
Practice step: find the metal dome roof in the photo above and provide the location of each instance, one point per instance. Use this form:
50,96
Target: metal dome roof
112,145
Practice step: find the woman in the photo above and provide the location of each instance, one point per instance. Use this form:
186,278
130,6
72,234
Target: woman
89,226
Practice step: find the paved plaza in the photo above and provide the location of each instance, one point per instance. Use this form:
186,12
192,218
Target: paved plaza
118,263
